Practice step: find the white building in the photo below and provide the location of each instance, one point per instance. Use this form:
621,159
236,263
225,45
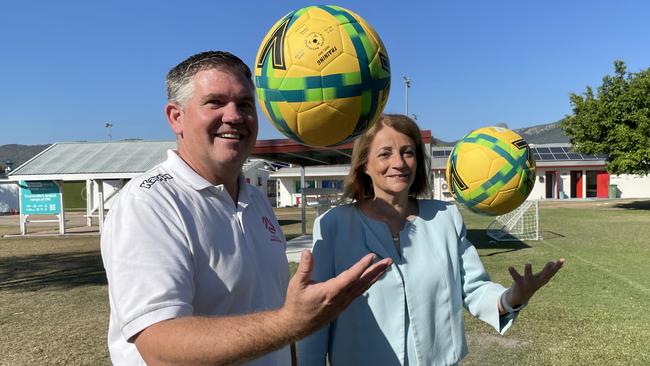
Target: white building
256,172
561,173
327,177
323,168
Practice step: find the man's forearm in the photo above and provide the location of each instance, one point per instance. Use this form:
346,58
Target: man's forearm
215,340
237,339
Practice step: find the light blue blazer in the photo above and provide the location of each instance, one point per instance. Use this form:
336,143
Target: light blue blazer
413,315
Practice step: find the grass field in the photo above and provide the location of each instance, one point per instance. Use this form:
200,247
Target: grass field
594,311
54,310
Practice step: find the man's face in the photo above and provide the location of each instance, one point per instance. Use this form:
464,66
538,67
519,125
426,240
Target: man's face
217,126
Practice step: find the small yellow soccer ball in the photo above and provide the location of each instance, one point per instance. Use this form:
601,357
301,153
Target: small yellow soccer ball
491,170
322,75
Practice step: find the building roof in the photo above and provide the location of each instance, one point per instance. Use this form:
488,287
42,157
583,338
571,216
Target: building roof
74,161
94,160
545,155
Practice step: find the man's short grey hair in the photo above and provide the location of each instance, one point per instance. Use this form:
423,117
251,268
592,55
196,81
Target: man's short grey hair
179,79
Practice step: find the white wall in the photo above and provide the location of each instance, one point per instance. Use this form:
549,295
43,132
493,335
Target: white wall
539,189
287,194
440,187
9,193
564,181
631,186
286,190
111,188
561,188
258,178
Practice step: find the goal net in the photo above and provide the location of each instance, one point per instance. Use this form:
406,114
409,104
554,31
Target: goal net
520,224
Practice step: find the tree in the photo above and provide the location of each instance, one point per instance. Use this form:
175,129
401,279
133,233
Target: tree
615,122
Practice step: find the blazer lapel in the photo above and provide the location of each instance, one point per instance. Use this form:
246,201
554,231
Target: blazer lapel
373,239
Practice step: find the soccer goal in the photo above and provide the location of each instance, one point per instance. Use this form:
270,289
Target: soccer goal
520,224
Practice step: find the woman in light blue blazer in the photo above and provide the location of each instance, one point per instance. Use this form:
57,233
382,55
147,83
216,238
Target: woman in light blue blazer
413,315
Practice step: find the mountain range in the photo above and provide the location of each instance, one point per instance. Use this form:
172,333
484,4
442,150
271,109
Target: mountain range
544,134
538,134
15,155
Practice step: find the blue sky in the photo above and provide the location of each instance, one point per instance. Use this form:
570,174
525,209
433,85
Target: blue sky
69,67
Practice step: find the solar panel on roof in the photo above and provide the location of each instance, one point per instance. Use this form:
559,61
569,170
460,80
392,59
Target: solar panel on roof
588,157
553,153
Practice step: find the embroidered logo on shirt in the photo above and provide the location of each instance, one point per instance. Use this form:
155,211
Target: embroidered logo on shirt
147,183
271,229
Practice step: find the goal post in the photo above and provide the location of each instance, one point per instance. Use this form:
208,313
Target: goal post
520,224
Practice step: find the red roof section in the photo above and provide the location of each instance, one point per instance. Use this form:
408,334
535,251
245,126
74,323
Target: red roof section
292,152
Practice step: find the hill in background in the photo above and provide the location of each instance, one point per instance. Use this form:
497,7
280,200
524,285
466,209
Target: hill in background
539,134
544,134
18,154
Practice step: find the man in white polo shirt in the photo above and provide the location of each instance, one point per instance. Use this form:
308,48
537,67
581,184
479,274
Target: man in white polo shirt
195,257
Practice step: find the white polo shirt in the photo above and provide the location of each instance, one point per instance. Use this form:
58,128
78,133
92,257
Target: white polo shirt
174,245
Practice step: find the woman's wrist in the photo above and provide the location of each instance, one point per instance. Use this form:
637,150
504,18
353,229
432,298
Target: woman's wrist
506,305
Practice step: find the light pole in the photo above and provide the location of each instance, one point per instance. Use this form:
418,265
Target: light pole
407,85
109,125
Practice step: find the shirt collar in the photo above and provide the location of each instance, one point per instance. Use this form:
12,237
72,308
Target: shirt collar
197,182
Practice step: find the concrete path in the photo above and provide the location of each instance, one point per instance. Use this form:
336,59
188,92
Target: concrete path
296,245
75,225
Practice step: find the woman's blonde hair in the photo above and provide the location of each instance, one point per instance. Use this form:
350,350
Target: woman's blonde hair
358,185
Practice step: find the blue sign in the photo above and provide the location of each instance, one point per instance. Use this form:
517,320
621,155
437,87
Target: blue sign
40,197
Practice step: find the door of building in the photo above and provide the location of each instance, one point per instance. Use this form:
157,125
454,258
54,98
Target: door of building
602,184
550,184
576,184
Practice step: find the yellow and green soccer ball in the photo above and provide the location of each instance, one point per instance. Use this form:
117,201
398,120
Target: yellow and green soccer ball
322,75
491,171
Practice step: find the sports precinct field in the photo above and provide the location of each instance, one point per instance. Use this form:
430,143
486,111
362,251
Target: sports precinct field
53,294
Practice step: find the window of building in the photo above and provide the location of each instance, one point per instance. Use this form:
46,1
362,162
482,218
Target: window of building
308,183
333,183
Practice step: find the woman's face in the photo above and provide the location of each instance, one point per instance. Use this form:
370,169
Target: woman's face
391,163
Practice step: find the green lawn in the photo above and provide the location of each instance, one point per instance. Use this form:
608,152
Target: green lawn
53,302
594,311
54,310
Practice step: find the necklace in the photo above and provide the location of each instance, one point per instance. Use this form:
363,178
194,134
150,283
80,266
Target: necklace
396,244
